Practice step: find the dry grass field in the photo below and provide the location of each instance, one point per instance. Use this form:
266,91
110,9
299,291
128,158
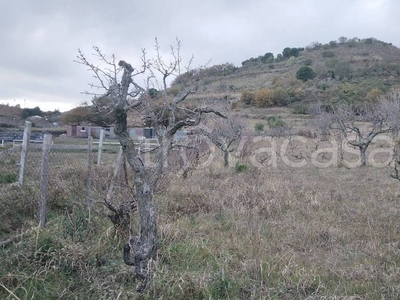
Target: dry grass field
251,233
287,233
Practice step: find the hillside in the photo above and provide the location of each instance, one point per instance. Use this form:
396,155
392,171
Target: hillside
291,216
15,116
353,70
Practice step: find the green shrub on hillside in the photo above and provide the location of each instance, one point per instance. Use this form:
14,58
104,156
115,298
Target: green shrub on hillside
240,168
307,62
370,41
333,44
341,69
267,58
301,110
305,73
275,122
289,52
279,58
327,54
291,61
295,94
259,127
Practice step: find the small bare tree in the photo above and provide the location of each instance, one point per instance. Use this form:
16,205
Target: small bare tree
224,133
396,161
166,113
360,124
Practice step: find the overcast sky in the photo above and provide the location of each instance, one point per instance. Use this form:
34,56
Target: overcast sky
40,38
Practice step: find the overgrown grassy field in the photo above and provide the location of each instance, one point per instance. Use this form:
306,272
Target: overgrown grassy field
261,233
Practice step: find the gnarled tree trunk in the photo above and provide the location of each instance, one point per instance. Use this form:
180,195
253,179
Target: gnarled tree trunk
363,157
166,119
140,249
226,158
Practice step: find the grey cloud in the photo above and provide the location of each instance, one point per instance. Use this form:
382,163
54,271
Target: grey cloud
40,38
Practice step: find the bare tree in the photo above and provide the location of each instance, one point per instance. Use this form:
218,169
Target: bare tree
360,124
167,114
224,133
396,161
190,152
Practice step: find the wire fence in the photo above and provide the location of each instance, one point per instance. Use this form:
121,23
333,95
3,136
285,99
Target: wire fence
38,178
79,173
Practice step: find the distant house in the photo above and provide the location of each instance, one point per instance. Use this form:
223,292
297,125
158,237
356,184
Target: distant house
83,131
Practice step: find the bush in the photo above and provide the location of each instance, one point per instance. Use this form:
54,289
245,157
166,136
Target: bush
300,110
289,52
269,97
370,41
280,97
291,61
307,62
279,58
264,98
328,54
373,95
267,58
240,168
223,69
153,93
247,97
333,44
294,52
286,52
275,122
343,39
305,73
340,69
295,94
259,126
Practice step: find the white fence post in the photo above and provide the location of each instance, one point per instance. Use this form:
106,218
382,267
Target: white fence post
89,171
44,179
102,133
24,152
